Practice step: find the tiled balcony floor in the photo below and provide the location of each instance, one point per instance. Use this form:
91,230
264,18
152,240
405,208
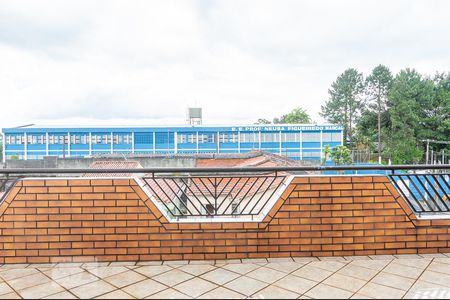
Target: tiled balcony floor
408,276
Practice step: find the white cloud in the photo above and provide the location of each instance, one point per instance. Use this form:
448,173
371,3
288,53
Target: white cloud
146,61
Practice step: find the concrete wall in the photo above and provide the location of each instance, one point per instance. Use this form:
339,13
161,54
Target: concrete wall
79,163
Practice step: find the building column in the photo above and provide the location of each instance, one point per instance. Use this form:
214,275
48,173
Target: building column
90,143
25,146
46,144
112,142
321,145
301,145
4,147
196,140
175,142
132,142
218,142
68,144
239,142
279,136
259,140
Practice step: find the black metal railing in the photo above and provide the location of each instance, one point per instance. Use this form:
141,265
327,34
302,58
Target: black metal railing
246,191
243,195
426,193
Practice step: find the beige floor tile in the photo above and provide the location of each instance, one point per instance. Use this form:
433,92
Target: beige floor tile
62,295
254,261
433,255
280,259
95,265
169,294
5,289
305,259
227,261
122,264
28,281
358,272
328,265
352,258
221,293
439,267
116,295
14,266
426,290
151,271
246,285
407,256
149,263
323,291
359,296
395,281
173,277
68,265
144,288
442,260
374,290
195,287
375,264
241,268
345,282
10,274
104,272
266,275
202,262
332,258
382,257
56,273
41,291
124,279
176,263
421,263
75,280
10,296
285,267
273,292
295,284
197,270
311,273
403,270
220,276
92,290
35,266
436,278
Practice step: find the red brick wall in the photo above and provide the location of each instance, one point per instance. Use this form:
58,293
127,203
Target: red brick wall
112,220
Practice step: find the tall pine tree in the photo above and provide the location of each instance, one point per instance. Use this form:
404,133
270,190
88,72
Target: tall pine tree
344,105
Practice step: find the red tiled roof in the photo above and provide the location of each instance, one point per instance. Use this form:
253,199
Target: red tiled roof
113,165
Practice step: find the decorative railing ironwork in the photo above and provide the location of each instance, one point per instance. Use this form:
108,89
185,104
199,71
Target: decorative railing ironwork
425,193
215,195
6,183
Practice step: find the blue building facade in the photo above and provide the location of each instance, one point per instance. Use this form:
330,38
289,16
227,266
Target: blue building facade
299,142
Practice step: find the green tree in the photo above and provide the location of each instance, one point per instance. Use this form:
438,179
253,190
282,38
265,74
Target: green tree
435,111
296,116
344,105
408,93
377,88
341,155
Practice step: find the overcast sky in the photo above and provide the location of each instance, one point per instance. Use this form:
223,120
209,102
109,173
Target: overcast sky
145,62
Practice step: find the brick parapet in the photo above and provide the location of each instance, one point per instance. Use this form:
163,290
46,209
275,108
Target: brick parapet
74,220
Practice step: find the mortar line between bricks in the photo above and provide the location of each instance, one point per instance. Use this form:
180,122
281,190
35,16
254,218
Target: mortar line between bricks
425,269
